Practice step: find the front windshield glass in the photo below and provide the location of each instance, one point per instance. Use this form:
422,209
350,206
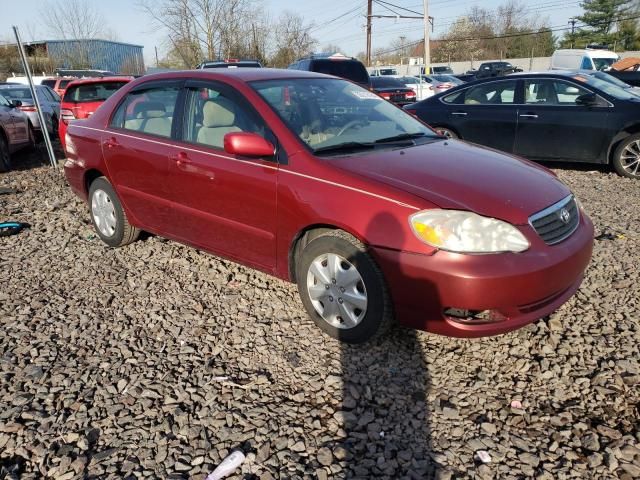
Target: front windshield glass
603,63
607,87
611,79
327,114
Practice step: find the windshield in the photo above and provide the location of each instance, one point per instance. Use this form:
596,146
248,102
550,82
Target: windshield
327,113
386,82
611,79
607,87
603,63
91,92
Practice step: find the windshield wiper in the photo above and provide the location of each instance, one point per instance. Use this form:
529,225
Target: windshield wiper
345,146
399,138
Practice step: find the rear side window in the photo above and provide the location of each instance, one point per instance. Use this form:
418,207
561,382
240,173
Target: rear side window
63,84
91,92
349,69
494,93
148,111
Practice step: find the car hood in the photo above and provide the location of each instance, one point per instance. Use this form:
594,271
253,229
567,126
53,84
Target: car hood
456,175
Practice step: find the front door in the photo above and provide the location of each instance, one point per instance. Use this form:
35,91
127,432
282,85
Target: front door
136,148
552,126
222,202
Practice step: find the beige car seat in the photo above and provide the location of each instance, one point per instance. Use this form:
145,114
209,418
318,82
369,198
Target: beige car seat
218,119
150,117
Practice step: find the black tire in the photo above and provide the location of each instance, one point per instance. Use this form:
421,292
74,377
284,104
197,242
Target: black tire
5,157
626,158
123,232
32,137
447,132
378,315
54,127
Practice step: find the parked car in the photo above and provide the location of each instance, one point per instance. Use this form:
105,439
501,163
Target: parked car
49,101
335,64
438,83
374,215
421,88
82,98
16,131
57,84
562,116
384,72
496,69
441,70
392,89
229,63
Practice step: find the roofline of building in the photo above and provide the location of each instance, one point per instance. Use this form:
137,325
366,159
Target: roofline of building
41,42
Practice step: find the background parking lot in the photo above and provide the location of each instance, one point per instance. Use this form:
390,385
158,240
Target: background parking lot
156,360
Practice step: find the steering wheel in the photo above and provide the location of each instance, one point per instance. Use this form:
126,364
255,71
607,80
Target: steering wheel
350,125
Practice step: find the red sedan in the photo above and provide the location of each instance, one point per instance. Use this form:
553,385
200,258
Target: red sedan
318,181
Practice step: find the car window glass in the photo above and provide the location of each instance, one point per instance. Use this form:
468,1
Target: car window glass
49,82
148,111
63,84
493,93
54,95
210,115
551,92
586,64
91,92
455,98
4,102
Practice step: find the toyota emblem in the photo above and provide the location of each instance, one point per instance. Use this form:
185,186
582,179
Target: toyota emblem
565,216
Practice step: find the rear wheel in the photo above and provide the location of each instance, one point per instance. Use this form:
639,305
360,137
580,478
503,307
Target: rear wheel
447,132
626,158
108,217
5,158
343,289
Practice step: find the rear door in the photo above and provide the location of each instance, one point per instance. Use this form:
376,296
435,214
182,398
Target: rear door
552,126
137,147
222,202
485,114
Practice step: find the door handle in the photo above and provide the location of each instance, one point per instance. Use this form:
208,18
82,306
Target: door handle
528,115
181,159
462,114
110,142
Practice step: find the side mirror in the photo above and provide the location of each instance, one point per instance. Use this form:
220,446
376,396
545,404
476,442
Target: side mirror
16,103
248,144
587,100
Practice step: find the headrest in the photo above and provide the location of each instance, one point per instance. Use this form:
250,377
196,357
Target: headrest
148,110
218,113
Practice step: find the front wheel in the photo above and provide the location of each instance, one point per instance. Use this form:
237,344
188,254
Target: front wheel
108,217
5,157
626,158
447,132
343,289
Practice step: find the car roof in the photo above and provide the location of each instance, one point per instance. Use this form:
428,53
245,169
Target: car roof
242,74
88,80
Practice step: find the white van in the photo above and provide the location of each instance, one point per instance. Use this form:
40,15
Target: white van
587,59
383,71
37,79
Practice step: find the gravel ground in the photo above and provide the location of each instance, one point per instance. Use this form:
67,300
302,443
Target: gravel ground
157,360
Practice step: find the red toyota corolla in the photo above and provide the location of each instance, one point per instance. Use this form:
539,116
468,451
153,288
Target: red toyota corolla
316,180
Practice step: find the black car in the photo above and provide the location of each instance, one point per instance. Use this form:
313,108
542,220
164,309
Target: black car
229,63
337,65
393,89
565,116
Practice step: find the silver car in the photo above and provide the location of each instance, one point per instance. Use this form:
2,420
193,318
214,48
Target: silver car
49,100
15,132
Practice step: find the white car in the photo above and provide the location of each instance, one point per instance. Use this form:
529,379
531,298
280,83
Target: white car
418,85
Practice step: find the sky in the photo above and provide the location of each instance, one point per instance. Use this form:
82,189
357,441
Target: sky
339,22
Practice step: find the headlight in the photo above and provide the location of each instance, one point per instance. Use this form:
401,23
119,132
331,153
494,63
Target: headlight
466,232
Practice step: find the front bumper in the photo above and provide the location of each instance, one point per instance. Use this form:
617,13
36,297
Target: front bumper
516,289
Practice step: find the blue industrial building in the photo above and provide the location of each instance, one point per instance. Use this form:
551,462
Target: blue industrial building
116,57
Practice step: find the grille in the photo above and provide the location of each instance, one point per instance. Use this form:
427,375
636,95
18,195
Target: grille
557,222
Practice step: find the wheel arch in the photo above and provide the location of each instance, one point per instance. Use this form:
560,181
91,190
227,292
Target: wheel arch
620,136
435,126
305,236
89,177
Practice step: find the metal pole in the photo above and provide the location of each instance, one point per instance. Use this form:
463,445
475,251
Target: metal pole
427,53
369,13
43,124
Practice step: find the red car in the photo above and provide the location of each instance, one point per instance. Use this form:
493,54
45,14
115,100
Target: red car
318,181
82,97
58,84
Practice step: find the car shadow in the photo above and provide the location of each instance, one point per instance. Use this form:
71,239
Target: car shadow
35,157
385,414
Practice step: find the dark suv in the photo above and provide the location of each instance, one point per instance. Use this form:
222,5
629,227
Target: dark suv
337,65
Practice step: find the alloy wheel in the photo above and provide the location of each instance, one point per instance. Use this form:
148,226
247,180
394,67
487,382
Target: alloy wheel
630,158
337,291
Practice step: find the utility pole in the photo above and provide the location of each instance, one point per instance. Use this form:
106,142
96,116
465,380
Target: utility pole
572,22
369,13
427,53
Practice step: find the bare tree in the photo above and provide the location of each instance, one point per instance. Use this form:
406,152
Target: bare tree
292,39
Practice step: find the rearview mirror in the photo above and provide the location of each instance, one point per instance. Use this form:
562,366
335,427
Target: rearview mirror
16,103
248,144
587,100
